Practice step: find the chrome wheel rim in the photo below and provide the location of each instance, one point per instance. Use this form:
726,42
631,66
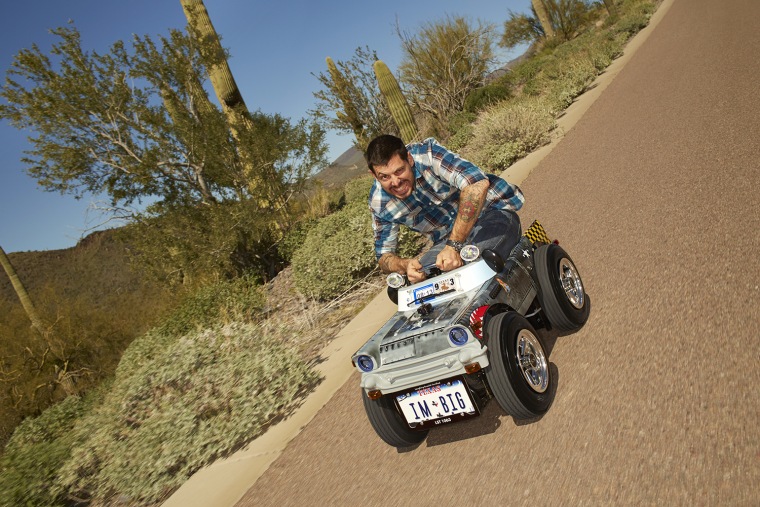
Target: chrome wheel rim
532,361
571,283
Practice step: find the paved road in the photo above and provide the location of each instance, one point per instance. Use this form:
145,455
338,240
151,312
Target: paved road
655,195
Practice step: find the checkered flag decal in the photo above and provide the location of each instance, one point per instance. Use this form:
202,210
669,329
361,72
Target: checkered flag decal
536,233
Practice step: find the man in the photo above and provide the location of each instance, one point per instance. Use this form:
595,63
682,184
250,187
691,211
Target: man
447,198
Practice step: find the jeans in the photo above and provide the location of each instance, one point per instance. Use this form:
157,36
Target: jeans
497,229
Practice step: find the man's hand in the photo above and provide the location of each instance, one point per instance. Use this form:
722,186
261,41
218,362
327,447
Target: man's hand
414,271
448,259
392,263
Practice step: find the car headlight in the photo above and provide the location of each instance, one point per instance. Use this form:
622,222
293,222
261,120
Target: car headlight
469,253
395,280
365,363
458,336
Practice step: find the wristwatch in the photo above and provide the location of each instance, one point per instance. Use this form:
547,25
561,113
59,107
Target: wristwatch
456,245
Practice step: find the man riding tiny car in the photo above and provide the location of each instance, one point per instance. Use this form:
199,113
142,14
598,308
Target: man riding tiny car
437,193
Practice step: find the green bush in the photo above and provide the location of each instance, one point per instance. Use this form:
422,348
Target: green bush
340,250
38,448
460,126
502,135
485,96
336,252
357,190
294,238
238,299
179,403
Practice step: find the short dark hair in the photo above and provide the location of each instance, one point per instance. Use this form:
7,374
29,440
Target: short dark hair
382,148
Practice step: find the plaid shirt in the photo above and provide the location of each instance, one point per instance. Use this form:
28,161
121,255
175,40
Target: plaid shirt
433,204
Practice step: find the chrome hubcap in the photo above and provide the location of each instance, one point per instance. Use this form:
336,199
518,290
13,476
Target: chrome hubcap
571,283
532,361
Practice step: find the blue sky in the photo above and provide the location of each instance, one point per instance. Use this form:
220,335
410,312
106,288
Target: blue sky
275,48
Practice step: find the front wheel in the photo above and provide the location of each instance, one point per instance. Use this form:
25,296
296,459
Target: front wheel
389,424
560,289
518,374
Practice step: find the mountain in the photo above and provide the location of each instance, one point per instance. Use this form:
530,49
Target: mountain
348,166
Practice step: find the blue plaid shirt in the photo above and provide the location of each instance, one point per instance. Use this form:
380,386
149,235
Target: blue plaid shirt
433,204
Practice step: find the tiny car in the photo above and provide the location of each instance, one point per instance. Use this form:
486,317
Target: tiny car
465,336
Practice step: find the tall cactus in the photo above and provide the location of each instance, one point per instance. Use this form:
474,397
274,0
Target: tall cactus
220,74
23,296
349,115
228,93
397,103
543,17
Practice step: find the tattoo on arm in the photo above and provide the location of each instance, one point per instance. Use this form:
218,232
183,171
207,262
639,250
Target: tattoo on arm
468,208
471,201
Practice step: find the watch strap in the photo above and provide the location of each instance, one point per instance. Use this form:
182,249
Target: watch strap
456,245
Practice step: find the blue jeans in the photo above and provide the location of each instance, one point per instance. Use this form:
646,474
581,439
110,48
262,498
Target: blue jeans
497,229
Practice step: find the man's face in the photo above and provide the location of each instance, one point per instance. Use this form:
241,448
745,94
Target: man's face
397,177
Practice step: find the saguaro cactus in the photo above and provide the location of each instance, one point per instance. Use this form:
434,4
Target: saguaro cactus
229,96
543,17
220,74
23,296
397,103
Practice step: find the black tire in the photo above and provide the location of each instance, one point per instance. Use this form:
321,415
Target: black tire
524,389
560,289
389,424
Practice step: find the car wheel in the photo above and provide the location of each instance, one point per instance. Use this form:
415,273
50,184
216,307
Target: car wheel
560,289
518,373
389,424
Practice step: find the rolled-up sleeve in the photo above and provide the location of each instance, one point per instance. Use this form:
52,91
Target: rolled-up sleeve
454,169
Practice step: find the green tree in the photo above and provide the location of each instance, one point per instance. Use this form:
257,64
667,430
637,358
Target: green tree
350,101
442,63
136,124
560,19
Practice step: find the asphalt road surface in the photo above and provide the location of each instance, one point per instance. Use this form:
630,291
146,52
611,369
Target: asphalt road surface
654,193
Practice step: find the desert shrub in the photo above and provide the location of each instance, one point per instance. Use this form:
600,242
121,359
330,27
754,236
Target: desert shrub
358,190
460,126
179,403
504,134
485,96
570,80
635,15
38,448
337,251
225,301
340,250
294,238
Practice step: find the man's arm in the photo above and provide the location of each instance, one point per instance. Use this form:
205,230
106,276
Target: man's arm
392,263
471,200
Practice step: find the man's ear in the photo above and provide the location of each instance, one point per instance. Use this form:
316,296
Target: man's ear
410,159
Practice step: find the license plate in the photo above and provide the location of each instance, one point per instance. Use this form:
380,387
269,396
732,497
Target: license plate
430,289
440,403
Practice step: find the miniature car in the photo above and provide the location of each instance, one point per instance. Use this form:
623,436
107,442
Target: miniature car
465,336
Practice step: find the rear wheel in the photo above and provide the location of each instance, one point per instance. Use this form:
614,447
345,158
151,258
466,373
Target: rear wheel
389,424
518,374
561,293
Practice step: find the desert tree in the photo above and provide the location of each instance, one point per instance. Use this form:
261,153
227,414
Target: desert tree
136,125
561,20
442,63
